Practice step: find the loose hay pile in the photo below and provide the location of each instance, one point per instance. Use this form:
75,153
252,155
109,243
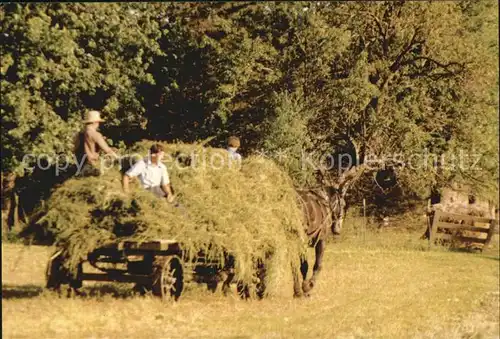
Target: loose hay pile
249,211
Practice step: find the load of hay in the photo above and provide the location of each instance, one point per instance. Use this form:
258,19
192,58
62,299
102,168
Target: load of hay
249,211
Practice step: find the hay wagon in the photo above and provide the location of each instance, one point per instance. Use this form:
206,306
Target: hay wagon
155,266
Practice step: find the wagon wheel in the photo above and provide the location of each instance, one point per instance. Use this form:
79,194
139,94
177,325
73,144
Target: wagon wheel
244,290
261,284
55,274
257,289
168,280
76,281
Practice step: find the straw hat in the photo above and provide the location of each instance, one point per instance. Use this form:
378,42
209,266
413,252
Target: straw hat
92,116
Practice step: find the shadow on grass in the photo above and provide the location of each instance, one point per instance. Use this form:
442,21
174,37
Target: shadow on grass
118,291
465,250
20,291
492,257
486,254
97,291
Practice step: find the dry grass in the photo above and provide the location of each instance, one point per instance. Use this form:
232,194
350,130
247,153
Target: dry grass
384,285
249,211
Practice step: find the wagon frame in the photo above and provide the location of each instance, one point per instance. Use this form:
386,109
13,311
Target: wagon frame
152,265
155,266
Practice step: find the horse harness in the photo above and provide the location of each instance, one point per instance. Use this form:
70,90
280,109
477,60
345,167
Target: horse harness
317,208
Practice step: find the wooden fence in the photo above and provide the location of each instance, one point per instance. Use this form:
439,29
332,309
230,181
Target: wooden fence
462,231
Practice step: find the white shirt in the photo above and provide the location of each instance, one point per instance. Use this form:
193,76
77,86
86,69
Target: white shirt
233,155
152,176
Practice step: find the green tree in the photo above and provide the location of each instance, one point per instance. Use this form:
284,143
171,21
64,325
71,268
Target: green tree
59,60
365,79
63,59
408,81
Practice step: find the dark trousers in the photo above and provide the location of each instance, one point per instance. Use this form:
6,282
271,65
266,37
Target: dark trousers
88,170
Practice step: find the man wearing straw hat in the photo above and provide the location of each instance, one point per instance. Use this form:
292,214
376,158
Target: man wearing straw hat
88,143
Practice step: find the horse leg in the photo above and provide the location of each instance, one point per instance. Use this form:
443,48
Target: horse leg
226,285
319,250
297,290
304,268
229,274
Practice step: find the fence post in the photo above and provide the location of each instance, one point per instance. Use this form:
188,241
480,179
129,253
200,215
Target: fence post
364,220
491,232
429,221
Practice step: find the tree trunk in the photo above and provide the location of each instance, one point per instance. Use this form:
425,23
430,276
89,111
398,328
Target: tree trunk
6,202
14,212
9,205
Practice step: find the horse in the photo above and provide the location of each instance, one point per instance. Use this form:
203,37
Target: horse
323,211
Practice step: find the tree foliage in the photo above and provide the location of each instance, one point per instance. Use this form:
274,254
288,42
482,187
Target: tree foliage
366,79
62,59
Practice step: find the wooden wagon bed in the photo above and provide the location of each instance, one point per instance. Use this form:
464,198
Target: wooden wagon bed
152,265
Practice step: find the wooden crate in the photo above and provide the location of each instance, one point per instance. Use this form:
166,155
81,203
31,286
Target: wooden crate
463,231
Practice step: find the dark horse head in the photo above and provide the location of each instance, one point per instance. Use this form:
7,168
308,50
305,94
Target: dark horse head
333,193
337,205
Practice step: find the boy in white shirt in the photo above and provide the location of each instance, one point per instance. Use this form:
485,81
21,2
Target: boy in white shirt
152,174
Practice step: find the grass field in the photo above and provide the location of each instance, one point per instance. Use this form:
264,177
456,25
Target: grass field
379,285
